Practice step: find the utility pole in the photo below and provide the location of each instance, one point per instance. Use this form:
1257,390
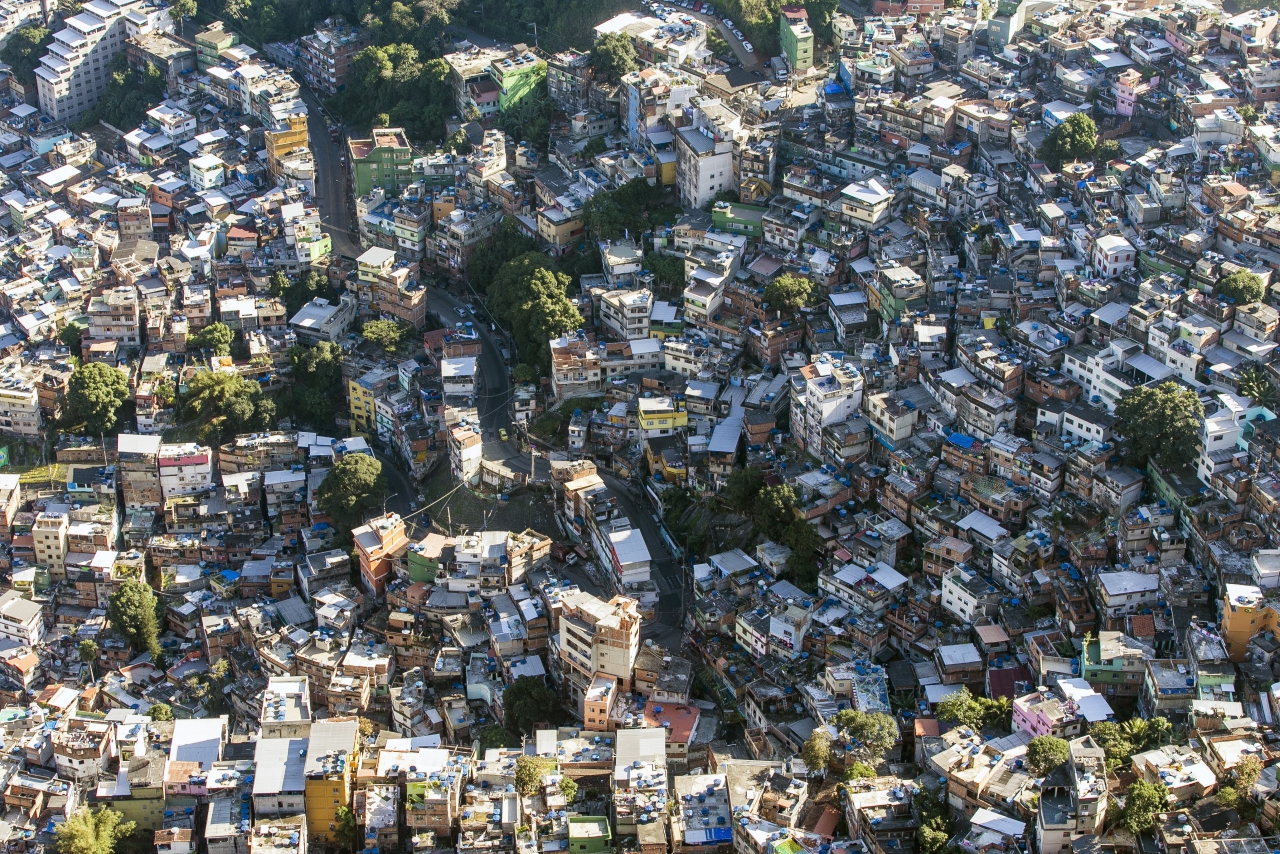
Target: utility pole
533,454
448,513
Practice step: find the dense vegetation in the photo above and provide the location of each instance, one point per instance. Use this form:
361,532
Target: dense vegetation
530,297
395,86
1160,422
128,96
23,50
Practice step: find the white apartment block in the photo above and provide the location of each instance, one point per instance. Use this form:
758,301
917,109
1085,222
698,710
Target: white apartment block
21,619
704,152
625,314
19,402
185,469
1108,373
74,73
829,392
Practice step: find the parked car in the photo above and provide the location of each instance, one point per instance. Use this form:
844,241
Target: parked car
728,23
502,433
462,312
748,48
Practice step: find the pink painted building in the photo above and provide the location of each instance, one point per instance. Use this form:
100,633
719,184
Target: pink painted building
1129,87
1042,713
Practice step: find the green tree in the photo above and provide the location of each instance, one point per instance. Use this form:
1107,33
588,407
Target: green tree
775,510
161,712
347,835
317,394
127,96
88,831
531,300
742,489
216,337
227,404
858,771
524,373
935,824
1111,738
1249,114
614,55
1142,802
961,708
821,13
1252,382
131,611
788,293
569,789
70,335
1248,770
595,145
95,394
1074,139
806,546
23,50
1044,753
1241,286
1107,150
529,119
530,770
295,293
88,650
816,751
1161,422
528,701
509,243
351,488
873,733
496,735
387,334
180,10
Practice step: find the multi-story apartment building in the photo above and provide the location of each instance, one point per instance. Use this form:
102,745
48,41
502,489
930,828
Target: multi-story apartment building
325,56
19,401
74,73
184,469
597,637
796,37
516,75
624,314
113,316
376,544
21,619
1114,664
704,152
383,160
828,392
211,42
362,392
333,755
50,535
321,320
140,471
1074,799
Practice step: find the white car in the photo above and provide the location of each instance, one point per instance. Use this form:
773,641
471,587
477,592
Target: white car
737,34
728,23
748,48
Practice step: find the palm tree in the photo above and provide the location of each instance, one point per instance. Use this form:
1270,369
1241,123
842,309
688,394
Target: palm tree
1253,383
1138,731
999,711
88,654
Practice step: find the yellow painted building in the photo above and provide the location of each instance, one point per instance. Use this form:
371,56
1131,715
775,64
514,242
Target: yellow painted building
281,140
375,262
333,755
1245,613
361,394
659,416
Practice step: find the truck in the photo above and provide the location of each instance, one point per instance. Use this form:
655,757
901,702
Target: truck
780,72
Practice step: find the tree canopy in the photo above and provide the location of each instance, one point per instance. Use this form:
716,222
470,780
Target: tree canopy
351,488
226,404
23,50
530,298
297,292
1074,139
1142,802
1044,753
614,55
1161,422
127,96
964,709
317,393
88,831
387,334
70,335
528,701
788,293
630,209
1252,382
391,83
161,712
216,337
131,611
95,393
871,733
816,751
530,770
1241,286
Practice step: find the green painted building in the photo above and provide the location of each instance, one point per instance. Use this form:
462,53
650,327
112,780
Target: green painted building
211,42
739,219
517,76
589,834
1114,665
796,36
384,160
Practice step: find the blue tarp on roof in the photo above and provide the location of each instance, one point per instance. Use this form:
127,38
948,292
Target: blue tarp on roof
961,440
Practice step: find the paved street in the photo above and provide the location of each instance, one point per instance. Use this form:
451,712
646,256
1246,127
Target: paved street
667,571
337,211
